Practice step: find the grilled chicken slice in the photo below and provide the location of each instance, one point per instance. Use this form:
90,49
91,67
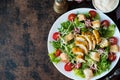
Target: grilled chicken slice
88,73
86,33
97,36
82,39
80,59
88,38
93,41
78,51
82,46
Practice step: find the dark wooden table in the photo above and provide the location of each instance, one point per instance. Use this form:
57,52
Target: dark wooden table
24,28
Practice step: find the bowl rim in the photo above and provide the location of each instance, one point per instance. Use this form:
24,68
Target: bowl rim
93,3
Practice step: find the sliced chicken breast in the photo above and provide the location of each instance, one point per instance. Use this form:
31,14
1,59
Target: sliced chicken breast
97,36
93,41
82,46
88,38
78,51
80,59
82,39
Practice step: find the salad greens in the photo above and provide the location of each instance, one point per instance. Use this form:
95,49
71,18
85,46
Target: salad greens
107,32
53,58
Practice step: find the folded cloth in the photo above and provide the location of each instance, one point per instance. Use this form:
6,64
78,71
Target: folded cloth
118,12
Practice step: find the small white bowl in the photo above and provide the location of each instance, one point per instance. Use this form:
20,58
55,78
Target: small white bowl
103,6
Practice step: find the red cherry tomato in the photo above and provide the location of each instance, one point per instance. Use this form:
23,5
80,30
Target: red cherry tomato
113,40
68,66
56,35
58,52
111,56
92,13
71,17
105,23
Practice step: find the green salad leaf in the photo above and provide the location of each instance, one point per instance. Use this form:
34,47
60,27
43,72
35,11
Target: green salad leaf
53,58
87,15
78,23
97,17
66,27
107,32
104,64
65,24
79,73
56,44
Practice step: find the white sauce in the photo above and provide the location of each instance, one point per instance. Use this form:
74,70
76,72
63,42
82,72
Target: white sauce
105,5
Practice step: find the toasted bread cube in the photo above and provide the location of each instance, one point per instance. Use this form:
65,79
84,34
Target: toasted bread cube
96,24
69,37
64,57
114,48
104,43
88,73
81,17
95,56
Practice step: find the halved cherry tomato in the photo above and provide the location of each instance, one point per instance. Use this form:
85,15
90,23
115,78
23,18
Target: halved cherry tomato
68,66
113,40
58,52
105,23
111,56
71,17
56,35
92,13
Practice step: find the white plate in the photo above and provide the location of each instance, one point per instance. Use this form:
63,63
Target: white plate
56,25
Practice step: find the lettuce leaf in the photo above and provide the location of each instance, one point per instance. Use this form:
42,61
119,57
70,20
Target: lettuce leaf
107,32
78,23
65,24
79,73
97,17
53,58
66,27
56,44
104,64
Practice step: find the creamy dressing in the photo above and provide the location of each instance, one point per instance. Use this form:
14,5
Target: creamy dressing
105,5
